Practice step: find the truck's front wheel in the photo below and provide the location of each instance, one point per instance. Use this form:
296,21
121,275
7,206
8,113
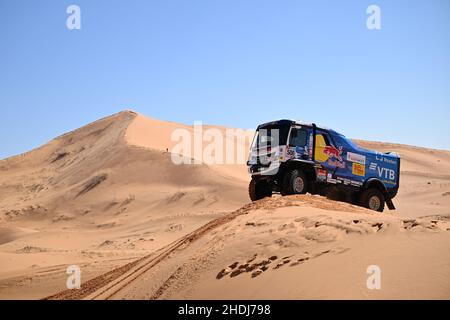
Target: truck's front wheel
294,182
259,189
373,199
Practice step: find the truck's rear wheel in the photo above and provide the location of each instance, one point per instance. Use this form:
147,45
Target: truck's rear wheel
259,189
373,199
294,182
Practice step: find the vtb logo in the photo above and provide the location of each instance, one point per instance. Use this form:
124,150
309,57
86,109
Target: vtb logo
386,173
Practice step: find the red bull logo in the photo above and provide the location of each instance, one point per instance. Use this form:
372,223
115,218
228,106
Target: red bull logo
333,153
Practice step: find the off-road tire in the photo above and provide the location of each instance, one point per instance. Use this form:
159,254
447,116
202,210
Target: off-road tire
289,183
373,199
258,190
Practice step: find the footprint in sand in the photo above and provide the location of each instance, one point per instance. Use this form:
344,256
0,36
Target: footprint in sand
321,253
223,273
317,255
251,268
259,271
236,272
285,261
256,273
409,224
378,226
252,258
244,266
227,270
299,261
257,268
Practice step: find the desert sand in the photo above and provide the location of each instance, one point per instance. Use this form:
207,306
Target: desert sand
108,198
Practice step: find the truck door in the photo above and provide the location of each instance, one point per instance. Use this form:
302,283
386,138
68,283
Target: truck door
328,155
299,143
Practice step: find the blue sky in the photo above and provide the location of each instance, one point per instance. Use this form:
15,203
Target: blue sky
229,62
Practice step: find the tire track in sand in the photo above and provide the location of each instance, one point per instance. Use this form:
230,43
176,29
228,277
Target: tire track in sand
107,285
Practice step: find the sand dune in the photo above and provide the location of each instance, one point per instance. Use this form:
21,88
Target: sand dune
107,197
308,250
296,247
156,135
90,186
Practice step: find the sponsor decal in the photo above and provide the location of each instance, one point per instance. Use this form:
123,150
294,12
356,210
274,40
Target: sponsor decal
336,164
347,182
297,152
334,156
282,153
322,175
357,158
330,179
387,174
380,157
358,169
357,183
373,166
333,153
290,154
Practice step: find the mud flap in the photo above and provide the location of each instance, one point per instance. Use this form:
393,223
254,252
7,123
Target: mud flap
390,204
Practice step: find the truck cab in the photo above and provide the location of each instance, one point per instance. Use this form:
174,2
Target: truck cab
292,157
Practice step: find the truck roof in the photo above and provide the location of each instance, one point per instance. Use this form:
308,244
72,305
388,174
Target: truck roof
283,122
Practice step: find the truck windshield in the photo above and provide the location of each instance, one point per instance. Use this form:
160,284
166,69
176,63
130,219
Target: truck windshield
270,136
265,138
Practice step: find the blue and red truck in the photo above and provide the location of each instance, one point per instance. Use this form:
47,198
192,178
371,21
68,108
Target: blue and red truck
292,157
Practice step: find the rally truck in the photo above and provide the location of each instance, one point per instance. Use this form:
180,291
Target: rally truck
291,157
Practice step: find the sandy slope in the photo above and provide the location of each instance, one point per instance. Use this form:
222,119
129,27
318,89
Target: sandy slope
157,135
294,247
90,196
108,194
308,250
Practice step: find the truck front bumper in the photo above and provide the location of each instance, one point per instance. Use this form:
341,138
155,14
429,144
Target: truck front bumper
264,170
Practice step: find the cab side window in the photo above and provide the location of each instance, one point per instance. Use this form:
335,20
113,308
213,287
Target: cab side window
299,138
